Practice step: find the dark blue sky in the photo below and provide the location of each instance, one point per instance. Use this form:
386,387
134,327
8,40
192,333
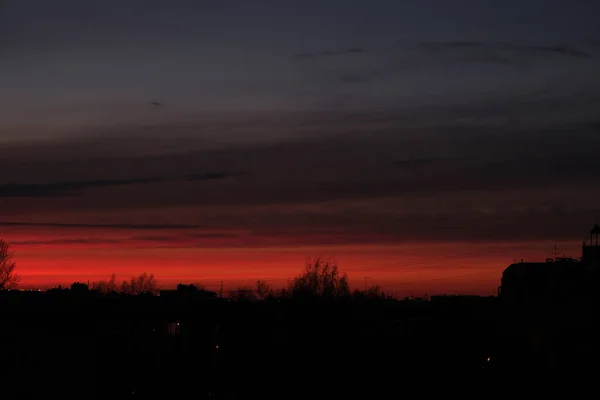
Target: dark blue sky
69,63
405,115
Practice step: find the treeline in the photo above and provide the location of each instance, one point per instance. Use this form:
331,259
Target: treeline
144,283
320,278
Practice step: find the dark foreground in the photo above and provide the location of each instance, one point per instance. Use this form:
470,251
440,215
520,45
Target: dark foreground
81,346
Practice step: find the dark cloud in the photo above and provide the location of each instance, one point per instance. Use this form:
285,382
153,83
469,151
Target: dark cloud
59,189
413,162
65,188
213,235
567,51
85,241
404,58
447,227
372,162
209,176
353,78
502,52
146,238
100,226
330,53
369,177
361,77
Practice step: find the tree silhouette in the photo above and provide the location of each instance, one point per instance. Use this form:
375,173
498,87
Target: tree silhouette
183,288
373,292
79,287
8,278
144,283
106,287
262,289
243,293
321,278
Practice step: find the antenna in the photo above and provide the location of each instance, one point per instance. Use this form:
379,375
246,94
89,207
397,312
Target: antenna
555,252
596,233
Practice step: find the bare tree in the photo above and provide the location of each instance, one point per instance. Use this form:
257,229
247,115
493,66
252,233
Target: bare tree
106,287
374,292
112,283
262,289
321,278
144,283
8,278
244,293
126,287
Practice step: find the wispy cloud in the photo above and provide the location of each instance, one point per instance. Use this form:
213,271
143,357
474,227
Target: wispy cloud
503,52
209,176
65,188
84,241
389,61
100,226
330,53
210,235
351,77
443,167
148,238
413,162
58,189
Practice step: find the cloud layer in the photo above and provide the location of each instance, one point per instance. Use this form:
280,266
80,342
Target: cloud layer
379,177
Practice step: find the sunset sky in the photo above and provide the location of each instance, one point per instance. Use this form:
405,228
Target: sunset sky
423,145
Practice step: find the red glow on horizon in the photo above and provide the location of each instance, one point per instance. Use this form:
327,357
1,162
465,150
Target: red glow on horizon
43,260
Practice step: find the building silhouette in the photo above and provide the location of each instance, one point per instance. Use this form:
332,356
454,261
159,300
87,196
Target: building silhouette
591,251
556,279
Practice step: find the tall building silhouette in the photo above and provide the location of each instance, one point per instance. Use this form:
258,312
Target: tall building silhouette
591,251
555,279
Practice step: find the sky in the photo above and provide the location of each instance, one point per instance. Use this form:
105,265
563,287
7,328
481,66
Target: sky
422,145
